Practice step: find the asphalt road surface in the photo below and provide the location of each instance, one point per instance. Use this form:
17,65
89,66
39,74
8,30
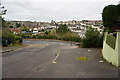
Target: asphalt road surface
36,61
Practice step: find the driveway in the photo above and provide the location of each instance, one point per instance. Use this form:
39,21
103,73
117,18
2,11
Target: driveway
36,61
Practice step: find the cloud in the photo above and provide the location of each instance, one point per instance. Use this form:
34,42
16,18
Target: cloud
47,10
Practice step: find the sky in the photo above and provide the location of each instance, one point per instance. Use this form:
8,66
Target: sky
58,10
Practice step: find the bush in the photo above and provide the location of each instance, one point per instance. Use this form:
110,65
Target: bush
7,35
25,29
23,35
18,39
11,38
43,30
71,38
33,36
63,28
46,33
51,37
92,39
38,36
110,16
111,40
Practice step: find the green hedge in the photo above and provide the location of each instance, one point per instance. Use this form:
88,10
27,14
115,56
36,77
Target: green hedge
65,38
92,39
44,36
71,38
111,40
12,39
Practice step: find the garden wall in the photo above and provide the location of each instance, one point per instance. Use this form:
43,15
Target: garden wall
111,48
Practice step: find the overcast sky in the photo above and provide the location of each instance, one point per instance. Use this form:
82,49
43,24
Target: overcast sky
58,10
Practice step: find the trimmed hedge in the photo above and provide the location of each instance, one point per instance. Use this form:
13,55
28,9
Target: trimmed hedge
111,40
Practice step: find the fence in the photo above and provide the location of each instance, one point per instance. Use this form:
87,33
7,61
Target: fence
111,48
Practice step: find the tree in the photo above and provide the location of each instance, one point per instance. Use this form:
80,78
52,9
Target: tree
110,16
63,28
7,36
18,25
118,9
25,29
92,39
46,33
2,10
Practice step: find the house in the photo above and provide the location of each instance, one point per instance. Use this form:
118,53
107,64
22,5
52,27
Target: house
83,27
97,27
35,30
82,34
15,31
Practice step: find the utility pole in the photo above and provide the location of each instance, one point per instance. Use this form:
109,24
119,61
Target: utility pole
56,31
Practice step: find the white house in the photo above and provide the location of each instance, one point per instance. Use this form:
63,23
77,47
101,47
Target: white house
82,34
83,27
35,30
97,27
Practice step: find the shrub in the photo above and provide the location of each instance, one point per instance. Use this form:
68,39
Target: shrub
33,36
38,36
46,33
11,38
7,35
51,37
92,39
23,35
43,30
63,28
71,37
111,40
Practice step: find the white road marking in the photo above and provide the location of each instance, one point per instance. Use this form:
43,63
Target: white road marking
54,61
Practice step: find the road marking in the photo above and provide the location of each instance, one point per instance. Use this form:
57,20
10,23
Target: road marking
54,61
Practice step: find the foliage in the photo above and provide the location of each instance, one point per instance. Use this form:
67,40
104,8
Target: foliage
71,38
12,39
11,26
38,36
111,40
18,25
46,33
2,10
25,29
66,37
110,15
43,30
25,35
7,34
84,20
118,9
63,28
92,39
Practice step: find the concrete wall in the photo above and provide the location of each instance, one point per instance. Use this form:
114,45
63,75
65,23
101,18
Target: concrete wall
110,54
119,48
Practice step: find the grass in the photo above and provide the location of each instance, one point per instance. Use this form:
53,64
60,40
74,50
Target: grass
82,58
14,45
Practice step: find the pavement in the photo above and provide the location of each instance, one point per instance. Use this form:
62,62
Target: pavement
11,48
36,61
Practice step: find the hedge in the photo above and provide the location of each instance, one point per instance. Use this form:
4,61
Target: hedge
111,40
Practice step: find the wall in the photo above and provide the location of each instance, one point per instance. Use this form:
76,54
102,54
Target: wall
110,54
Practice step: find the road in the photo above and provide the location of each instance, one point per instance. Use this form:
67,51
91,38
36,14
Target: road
35,61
